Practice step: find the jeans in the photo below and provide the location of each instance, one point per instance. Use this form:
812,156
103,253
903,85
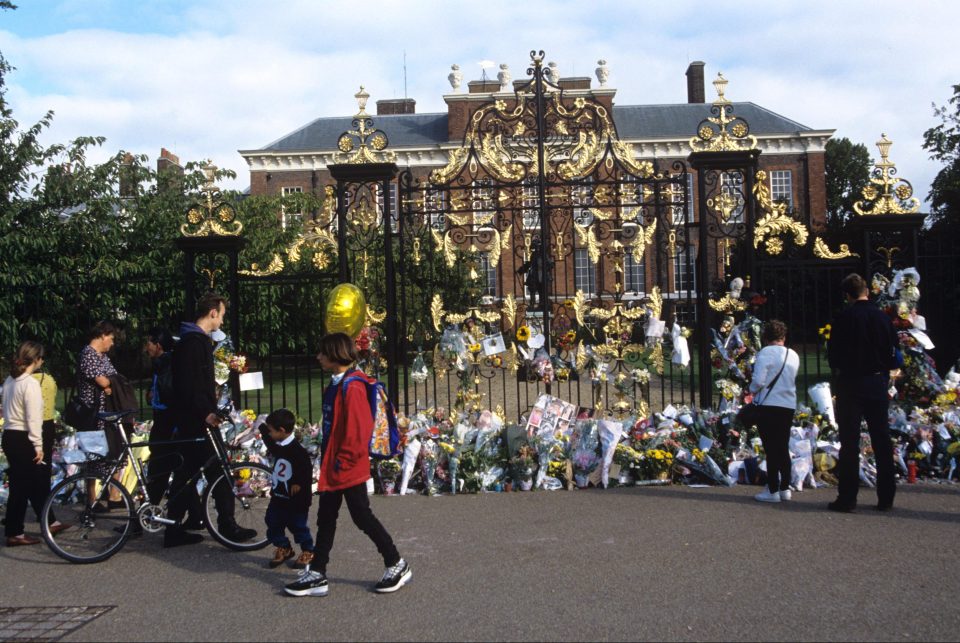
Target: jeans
280,518
328,507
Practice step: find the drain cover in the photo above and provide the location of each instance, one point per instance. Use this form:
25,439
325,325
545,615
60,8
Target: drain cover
45,623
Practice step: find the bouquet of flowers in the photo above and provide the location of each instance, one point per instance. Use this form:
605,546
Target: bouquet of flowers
585,459
388,471
429,455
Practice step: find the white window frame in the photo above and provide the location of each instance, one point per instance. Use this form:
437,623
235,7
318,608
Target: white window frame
530,204
681,278
781,187
584,272
581,200
434,202
287,217
394,206
488,275
732,183
481,198
634,275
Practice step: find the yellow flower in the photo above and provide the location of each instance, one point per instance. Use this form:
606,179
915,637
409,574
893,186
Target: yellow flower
523,333
447,447
474,348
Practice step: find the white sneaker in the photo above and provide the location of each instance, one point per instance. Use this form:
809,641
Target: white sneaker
766,496
786,494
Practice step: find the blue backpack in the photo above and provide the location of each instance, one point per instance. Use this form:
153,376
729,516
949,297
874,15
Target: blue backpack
385,440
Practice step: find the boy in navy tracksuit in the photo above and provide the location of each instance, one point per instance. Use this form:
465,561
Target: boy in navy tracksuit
292,490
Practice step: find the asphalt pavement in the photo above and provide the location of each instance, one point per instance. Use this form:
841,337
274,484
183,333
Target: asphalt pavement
662,563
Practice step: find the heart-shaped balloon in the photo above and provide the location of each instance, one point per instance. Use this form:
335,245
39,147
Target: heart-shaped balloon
346,310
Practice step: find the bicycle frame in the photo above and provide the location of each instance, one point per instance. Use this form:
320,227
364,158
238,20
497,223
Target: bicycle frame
212,436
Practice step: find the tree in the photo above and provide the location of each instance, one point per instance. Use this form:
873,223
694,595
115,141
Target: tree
943,144
847,173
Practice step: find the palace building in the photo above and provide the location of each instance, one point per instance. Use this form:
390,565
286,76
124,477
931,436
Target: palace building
791,158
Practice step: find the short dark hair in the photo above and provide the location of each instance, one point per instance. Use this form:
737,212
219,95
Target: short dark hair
774,330
207,302
339,348
282,419
162,337
101,329
853,285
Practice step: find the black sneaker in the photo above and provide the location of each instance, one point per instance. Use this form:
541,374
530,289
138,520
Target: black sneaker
238,534
308,583
841,507
394,578
178,538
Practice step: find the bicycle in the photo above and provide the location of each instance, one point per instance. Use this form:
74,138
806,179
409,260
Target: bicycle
95,534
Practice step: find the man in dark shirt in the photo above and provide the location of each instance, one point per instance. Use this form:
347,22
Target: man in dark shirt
862,351
194,407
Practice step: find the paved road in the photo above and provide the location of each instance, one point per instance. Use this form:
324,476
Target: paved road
670,563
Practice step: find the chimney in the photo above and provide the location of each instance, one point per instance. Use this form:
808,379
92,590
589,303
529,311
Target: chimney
396,106
695,91
169,169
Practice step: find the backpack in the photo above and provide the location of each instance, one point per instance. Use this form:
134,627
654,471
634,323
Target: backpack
385,440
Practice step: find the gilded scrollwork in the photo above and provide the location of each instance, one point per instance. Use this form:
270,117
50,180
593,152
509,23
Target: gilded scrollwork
775,222
822,250
723,132
886,193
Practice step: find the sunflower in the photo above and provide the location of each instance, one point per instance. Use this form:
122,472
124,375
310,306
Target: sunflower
523,333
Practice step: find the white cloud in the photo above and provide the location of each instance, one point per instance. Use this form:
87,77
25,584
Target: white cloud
238,74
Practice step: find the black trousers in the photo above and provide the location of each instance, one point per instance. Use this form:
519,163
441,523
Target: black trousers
773,424
328,508
864,398
29,482
181,499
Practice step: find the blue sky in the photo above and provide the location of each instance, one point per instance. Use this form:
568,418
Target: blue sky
209,77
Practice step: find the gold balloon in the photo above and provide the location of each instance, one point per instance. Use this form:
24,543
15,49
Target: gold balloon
346,310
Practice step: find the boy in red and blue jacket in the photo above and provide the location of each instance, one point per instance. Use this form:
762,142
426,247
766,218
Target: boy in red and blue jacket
345,469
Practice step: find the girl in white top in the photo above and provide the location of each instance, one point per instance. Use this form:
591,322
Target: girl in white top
774,389
22,443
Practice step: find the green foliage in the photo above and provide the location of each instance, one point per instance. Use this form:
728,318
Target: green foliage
847,173
943,144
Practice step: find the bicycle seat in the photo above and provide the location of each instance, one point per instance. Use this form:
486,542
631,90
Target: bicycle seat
115,416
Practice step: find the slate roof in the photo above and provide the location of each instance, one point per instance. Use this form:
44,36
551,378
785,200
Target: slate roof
632,121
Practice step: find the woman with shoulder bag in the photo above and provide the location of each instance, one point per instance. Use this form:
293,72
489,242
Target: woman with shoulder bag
774,390
22,443
94,369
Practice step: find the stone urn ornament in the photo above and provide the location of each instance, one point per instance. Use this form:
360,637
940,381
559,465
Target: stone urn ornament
504,77
603,73
455,77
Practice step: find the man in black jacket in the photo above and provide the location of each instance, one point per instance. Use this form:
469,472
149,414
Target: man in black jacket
195,406
862,351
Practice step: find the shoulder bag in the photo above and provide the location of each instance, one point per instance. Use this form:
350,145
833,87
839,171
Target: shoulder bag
748,413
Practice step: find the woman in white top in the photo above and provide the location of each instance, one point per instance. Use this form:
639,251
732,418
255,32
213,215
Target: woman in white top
774,387
22,443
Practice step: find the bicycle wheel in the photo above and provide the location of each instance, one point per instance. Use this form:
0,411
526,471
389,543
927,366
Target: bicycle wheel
90,537
247,494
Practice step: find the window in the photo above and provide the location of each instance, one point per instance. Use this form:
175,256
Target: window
481,200
732,184
684,272
781,187
686,314
394,206
531,206
634,274
488,275
581,198
288,218
584,275
434,201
